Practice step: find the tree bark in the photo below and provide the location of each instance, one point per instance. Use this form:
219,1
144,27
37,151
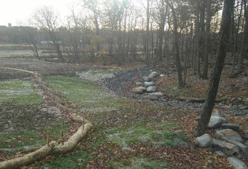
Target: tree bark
207,40
176,46
244,41
147,33
215,78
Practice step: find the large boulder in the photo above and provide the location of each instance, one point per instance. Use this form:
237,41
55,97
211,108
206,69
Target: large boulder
138,83
241,146
236,163
153,75
139,90
227,148
234,127
204,141
244,134
147,84
155,96
145,78
216,122
215,112
229,134
151,89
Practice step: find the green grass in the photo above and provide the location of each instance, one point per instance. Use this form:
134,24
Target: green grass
79,157
18,93
76,159
22,139
84,93
141,133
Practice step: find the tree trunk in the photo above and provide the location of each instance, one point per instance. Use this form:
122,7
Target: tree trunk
207,40
97,31
147,33
215,78
244,41
176,47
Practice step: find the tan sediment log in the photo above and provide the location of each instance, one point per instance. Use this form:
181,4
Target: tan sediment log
52,147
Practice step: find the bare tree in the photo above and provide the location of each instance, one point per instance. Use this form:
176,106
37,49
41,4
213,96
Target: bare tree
244,43
46,18
147,31
176,45
220,60
31,35
207,39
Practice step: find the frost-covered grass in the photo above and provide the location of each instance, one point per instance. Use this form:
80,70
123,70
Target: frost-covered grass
18,93
141,133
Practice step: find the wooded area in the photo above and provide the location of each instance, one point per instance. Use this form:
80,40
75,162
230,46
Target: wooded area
186,33
192,38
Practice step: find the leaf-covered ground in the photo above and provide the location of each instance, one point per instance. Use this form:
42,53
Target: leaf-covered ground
133,135
127,133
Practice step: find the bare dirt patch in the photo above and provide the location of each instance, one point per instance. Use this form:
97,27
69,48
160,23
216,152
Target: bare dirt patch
41,67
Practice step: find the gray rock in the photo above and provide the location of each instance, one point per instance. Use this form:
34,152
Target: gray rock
228,134
142,88
227,148
137,90
215,112
216,122
234,127
153,75
204,141
245,134
220,153
178,142
241,146
236,163
145,78
151,89
147,84
138,83
155,96
197,118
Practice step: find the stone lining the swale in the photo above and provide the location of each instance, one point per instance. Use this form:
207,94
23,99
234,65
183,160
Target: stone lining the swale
122,84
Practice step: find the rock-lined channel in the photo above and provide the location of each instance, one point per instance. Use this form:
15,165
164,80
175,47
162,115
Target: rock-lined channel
123,83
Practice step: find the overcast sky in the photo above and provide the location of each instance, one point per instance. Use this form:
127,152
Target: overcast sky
16,11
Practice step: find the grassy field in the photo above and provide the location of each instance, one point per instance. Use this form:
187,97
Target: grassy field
112,133
23,125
